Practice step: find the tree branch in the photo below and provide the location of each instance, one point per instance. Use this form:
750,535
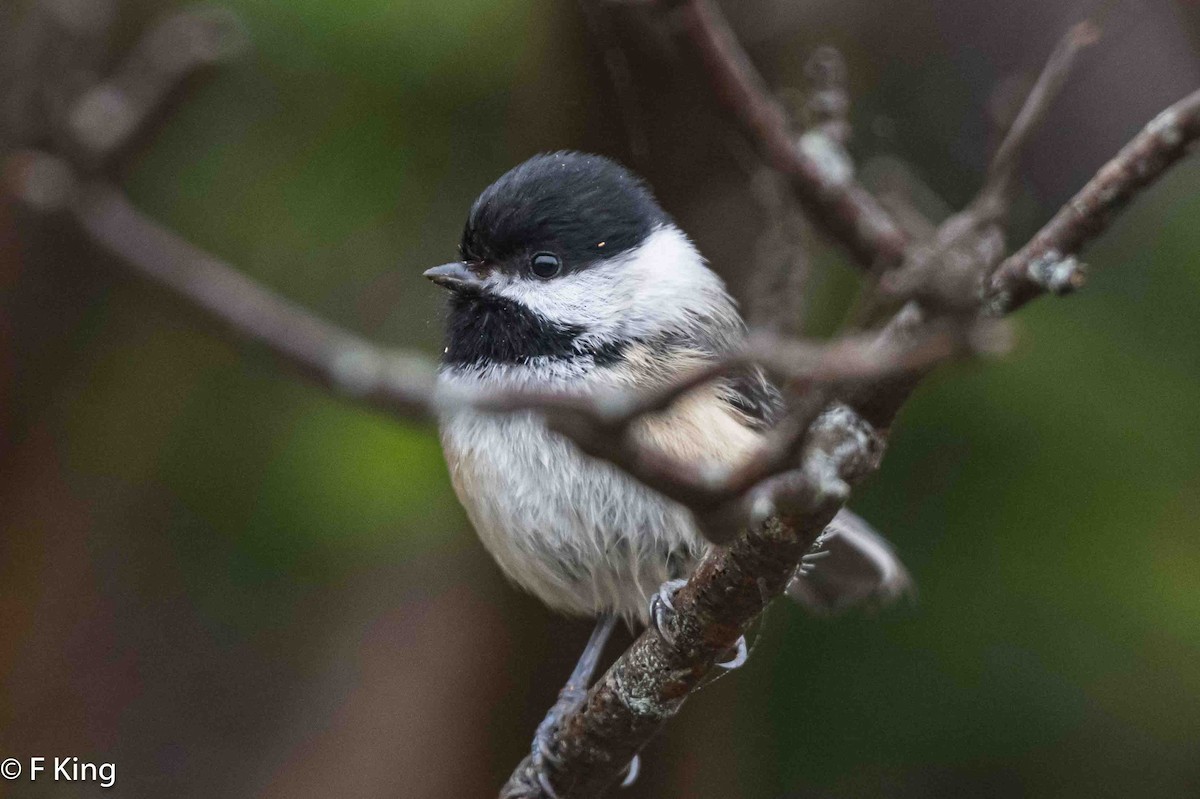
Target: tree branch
107,117
999,184
402,384
816,165
949,270
1048,262
729,589
399,383
649,682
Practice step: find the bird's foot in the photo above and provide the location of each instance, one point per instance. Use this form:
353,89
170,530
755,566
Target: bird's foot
542,755
740,656
662,608
631,771
661,611
543,758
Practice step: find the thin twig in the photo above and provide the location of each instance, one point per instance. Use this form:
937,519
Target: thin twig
817,166
397,382
947,272
1048,262
111,113
998,186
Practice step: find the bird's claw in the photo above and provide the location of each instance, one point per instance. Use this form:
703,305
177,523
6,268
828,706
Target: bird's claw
542,756
739,658
541,759
544,782
542,751
661,608
631,771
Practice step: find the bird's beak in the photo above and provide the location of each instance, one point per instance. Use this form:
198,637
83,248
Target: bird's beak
455,276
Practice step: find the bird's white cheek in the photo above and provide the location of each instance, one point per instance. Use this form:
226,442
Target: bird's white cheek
663,284
673,284
591,299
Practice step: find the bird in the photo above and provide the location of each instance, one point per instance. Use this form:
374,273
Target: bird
573,279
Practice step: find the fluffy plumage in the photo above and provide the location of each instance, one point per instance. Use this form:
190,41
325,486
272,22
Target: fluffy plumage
634,305
631,305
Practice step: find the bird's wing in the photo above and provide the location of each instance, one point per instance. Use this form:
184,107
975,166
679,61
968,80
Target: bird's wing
723,422
702,426
753,397
851,565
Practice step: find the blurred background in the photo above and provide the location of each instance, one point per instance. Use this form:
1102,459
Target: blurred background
231,584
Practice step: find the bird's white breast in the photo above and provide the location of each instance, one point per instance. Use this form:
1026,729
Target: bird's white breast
576,532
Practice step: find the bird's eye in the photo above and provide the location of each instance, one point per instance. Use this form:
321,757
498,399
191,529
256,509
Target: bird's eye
545,265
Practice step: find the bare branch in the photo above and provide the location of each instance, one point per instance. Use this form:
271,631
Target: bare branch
818,167
1047,262
397,382
720,495
649,682
729,589
947,271
403,384
999,184
108,116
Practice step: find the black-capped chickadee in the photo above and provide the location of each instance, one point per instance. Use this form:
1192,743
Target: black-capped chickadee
573,278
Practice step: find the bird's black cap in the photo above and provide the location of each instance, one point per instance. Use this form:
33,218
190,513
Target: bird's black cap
583,208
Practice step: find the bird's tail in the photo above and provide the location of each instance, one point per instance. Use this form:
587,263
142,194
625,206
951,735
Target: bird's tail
851,565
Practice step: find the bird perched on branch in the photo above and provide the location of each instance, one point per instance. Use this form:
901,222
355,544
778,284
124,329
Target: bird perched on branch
573,279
